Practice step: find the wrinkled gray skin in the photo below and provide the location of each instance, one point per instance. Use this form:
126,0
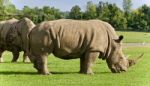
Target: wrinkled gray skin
13,37
70,39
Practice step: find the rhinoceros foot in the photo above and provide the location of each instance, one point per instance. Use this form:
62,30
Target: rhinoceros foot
13,61
26,60
86,72
44,73
1,60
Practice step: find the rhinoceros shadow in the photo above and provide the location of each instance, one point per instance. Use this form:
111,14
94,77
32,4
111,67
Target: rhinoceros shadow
17,73
78,73
32,73
15,62
35,73
54,72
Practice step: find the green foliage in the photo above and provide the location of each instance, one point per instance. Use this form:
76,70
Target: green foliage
41,14
127,4
112,14
138,23
90,12
75,12
4,2
11,9
5,7
139,19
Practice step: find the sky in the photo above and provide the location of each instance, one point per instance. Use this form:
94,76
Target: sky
66,5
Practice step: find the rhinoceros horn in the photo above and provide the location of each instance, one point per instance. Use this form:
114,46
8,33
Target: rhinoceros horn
134,61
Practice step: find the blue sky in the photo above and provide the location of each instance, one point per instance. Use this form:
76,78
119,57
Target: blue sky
66,5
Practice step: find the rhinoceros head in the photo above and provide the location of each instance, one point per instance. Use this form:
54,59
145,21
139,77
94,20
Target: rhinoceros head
117,62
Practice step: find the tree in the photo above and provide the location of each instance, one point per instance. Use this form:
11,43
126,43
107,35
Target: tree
37,15
112,14
146,10
3,5
56,13
139,20
47,13
75,12
127,4
27,11
4,2
11,9
103,11
65,15
90,11
99,8
117,18
51,13
47,9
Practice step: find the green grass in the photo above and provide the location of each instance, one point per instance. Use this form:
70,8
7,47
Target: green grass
65,72
135,37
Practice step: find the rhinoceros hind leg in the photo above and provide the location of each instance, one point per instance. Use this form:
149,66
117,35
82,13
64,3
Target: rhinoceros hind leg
25,58
1,58
87,61
15,56
41,65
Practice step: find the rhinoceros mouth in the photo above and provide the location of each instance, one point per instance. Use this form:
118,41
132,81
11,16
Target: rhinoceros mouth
118,69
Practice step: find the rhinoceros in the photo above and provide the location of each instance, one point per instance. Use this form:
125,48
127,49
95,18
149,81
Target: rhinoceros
71,39
13,37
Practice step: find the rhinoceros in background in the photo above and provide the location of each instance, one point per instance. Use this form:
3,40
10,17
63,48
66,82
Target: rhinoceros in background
70,39
13,37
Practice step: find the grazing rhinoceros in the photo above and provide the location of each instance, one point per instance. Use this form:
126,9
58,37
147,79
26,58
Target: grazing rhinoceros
13,37
70,39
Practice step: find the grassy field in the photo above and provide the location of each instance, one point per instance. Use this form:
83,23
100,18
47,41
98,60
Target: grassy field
135,37
65,73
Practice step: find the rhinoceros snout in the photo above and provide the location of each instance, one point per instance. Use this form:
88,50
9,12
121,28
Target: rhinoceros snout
118,69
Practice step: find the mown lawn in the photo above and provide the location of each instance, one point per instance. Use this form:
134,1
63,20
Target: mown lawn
65,72
135,37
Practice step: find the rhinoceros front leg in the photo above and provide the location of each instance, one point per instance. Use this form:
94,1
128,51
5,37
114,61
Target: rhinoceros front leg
87,62
40,64
15,56
25,57
1,59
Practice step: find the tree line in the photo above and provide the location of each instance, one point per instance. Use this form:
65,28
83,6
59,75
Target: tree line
121,19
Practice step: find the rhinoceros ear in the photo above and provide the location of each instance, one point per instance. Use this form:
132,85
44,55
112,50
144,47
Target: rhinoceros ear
119,39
